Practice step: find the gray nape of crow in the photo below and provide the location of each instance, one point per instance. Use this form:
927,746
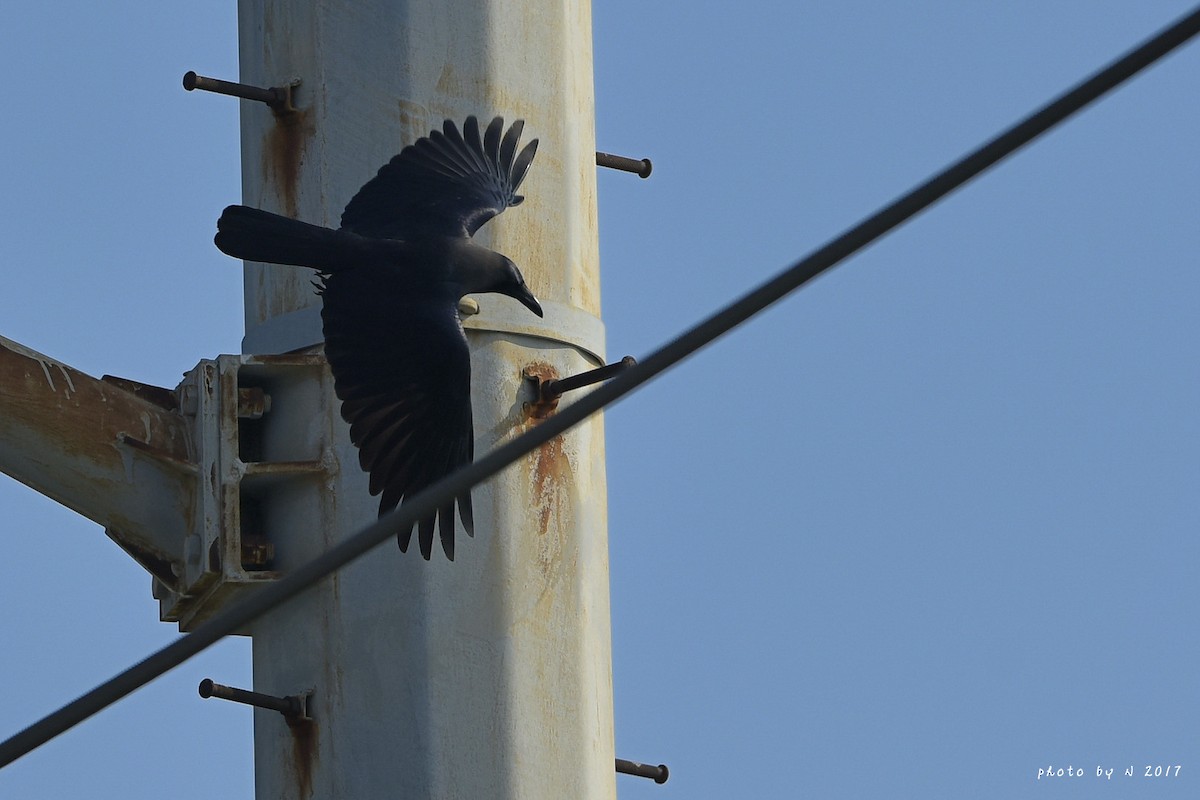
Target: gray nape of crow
390,280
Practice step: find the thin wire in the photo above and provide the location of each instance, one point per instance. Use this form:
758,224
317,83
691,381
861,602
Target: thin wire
427,502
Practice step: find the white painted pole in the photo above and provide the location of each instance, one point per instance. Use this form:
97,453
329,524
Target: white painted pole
489,676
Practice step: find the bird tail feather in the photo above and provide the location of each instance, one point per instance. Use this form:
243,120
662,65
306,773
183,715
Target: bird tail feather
255,235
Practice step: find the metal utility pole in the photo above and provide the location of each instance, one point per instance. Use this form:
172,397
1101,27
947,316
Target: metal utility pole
486,677
489,676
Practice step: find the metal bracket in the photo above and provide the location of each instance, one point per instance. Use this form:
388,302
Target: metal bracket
244,413
562,323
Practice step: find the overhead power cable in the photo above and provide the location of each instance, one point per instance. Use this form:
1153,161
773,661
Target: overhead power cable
441,493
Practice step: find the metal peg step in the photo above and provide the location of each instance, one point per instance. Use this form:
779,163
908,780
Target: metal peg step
294,707
554,388
638,166
658,774
279,98
547,390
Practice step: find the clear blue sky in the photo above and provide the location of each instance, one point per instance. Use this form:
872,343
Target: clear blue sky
923,528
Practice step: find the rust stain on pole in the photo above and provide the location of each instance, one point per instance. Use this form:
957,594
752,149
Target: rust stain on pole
283,155
304,752
550,476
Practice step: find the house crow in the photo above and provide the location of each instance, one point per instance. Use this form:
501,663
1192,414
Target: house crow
390,279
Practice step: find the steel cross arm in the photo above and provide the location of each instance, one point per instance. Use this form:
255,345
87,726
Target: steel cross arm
101,448
428,501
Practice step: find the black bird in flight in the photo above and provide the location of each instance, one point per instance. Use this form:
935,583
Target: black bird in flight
390,280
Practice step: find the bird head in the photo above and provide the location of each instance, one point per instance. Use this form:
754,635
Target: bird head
511,283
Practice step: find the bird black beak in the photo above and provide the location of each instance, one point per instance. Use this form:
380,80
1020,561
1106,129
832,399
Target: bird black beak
525,297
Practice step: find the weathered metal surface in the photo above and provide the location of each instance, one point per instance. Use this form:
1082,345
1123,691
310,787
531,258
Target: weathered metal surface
438,679
111,452
161,397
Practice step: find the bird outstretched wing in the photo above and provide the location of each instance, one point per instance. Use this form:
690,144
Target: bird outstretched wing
448,183
401,368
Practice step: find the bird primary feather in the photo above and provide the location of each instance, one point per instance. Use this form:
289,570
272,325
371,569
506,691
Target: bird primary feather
390,279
